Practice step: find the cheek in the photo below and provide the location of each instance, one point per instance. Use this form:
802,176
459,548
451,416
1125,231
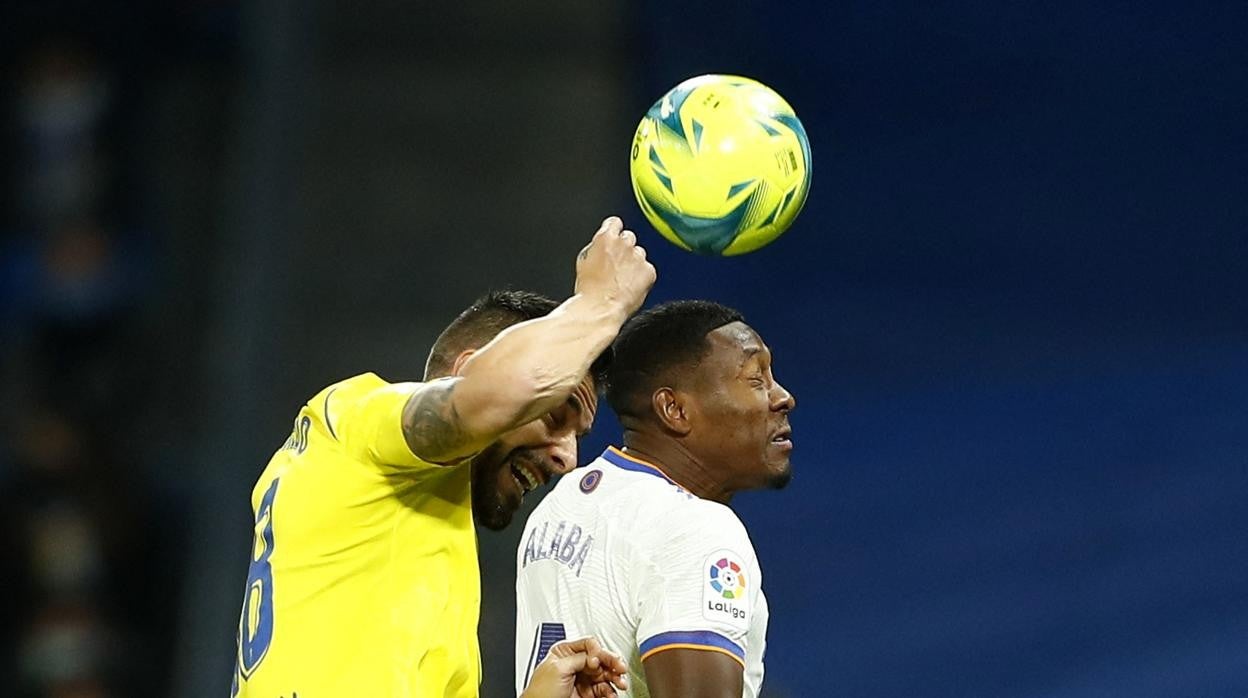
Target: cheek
756,420
738,419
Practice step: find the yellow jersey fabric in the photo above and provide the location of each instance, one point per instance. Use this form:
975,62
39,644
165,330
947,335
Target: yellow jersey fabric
364,580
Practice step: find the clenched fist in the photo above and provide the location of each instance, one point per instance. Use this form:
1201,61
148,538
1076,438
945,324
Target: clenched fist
613,269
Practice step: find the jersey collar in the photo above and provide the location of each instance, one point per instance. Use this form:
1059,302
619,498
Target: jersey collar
623,460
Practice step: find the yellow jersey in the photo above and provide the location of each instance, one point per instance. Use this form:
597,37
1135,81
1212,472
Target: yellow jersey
363,580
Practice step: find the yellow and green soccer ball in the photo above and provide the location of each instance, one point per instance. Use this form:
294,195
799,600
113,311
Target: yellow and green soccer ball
721,165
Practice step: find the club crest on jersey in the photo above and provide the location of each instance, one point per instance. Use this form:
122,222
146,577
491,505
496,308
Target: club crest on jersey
589,482
724,597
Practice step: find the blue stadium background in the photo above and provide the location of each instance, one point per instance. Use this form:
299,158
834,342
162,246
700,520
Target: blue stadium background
1014,311
1014,316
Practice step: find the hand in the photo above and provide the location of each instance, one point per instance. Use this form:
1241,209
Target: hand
613,268
580,668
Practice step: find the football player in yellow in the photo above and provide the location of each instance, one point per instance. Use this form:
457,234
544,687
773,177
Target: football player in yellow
363,579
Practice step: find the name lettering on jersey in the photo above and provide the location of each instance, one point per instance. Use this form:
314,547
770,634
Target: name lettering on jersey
298,440
567,545
725,594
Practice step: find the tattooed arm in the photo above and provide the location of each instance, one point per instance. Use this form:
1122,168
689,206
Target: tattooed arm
533,366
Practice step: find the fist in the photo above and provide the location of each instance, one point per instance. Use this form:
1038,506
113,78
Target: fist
613,268
578,669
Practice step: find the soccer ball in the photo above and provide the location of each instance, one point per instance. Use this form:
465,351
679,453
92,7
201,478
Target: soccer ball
721,165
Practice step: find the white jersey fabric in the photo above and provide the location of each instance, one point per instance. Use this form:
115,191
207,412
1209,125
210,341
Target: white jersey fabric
621,552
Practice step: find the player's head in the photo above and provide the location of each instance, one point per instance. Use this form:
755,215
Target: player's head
693,372
544,447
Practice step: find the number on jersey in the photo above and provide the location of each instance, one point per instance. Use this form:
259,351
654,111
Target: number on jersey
547,635
255,627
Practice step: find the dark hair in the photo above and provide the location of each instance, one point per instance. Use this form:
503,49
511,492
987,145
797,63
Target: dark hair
655,345
484,319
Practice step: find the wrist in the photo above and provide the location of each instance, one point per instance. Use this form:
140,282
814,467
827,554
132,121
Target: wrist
611,310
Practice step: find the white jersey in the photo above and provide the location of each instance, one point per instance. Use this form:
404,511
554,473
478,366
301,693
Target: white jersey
620,552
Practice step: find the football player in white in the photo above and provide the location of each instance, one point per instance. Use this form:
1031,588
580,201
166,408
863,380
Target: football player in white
640,548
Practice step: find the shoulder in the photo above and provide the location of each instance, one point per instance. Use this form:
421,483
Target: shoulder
621,495
652,512
669,523
354,386
340,396
364,414
357,388
700,524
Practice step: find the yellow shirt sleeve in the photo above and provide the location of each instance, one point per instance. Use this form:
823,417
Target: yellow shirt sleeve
370,426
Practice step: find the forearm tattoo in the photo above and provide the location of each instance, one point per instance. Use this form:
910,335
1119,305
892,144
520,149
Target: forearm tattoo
431,424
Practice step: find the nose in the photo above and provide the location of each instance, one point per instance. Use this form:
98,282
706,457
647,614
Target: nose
562,453
783,400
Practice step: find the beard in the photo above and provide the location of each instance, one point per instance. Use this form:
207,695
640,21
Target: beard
490,507
490,511
779,480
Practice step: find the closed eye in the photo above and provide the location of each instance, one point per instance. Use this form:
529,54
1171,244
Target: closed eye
578,407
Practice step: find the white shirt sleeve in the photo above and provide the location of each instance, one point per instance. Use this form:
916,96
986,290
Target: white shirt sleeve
697,584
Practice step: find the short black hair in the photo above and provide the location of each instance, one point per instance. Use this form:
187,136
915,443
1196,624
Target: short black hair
484,319
655,344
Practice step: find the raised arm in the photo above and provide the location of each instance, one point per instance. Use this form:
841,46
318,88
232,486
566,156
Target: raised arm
531,367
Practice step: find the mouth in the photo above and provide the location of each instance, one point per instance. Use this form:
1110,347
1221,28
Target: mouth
783,438
527,477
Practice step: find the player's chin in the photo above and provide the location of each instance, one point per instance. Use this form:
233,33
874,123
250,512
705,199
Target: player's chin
493,511
779,475
494,519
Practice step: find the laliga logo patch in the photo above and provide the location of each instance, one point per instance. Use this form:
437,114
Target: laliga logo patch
724,596
727,578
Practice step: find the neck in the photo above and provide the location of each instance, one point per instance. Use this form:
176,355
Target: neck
679,464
